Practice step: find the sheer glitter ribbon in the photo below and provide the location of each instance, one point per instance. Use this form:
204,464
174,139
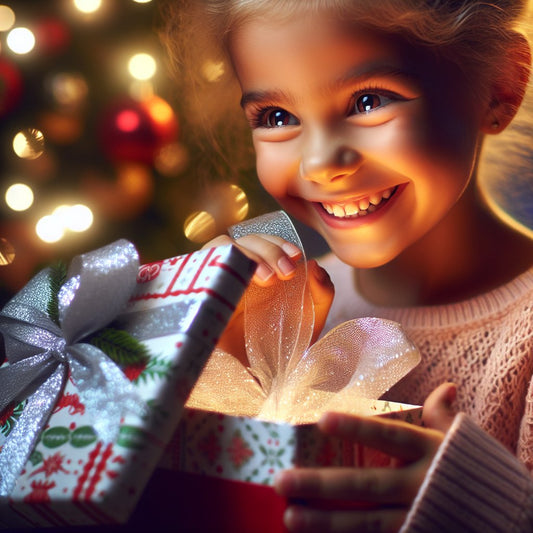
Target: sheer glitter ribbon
42,355
288,380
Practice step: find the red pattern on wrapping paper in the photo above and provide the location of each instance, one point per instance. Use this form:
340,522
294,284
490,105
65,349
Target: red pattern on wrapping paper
326,454
133,371
70,401
149,272
208,260
51,465
99,471
239,452
39,493
210,447
8,413
86,469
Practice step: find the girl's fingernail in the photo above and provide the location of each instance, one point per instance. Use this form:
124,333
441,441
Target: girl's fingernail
286,266
264,272
291,249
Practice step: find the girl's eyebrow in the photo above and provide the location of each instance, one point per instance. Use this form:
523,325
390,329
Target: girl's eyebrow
362,73
359,74
254,97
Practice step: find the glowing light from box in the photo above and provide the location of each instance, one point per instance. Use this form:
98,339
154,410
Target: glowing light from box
20,40
142,66
7,252
142,1
49,229
7,18
28,144
199,227
87,6
19,197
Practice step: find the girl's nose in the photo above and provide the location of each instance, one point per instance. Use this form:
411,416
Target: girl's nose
328,156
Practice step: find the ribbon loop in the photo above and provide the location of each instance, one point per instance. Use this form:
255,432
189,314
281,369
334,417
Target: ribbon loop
294,382
41,354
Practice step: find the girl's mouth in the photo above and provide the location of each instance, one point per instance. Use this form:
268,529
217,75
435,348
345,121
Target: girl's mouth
359,208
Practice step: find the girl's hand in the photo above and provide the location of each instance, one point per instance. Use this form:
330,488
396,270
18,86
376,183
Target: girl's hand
384,495
275,258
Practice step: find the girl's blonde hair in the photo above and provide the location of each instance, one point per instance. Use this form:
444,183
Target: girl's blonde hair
473,34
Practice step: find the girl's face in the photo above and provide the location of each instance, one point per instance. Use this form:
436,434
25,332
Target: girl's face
366,139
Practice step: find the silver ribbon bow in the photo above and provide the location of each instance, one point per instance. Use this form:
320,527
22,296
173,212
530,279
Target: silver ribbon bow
41,354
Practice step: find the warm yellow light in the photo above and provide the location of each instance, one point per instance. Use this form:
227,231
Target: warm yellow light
199,227
213,70
76,218
142,1
19,197
49,229
7,18
7,252
87,6
80,218
142,66
20,40
28,144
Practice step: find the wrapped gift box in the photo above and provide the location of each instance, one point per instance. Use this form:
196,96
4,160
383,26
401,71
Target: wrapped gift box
245,423
177,310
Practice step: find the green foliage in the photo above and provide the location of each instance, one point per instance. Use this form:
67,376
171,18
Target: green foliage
120,347
57,277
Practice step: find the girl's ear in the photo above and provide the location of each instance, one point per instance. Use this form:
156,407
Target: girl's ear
509,86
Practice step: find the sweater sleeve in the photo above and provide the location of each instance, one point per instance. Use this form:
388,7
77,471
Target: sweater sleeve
474,484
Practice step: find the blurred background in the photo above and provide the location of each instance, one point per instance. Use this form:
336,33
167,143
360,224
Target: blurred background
91,143
93,147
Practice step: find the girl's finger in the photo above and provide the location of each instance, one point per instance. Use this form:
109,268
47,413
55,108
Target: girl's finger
438,408
393,437
300,519
322,293
376,485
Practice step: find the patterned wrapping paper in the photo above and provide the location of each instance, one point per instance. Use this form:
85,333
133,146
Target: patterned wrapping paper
72,477
253,450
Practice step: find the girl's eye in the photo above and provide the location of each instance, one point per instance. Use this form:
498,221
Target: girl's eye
277,118
368,102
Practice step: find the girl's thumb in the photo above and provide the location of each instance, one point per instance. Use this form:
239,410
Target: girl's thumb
438,410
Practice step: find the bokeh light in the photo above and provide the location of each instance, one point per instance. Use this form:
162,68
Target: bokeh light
142,66
87,6
7,252
75,218
68,89
20,40
213,70
28,144
49,229
200,227
7,18
171,160
19,197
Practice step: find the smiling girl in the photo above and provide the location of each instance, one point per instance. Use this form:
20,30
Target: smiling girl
368,120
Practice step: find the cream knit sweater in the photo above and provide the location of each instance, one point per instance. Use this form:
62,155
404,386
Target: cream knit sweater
480,479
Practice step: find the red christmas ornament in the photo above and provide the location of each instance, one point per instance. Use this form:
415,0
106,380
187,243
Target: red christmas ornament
52,36
10,86
135,131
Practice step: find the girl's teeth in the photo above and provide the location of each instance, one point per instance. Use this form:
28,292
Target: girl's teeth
363,204
358,208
